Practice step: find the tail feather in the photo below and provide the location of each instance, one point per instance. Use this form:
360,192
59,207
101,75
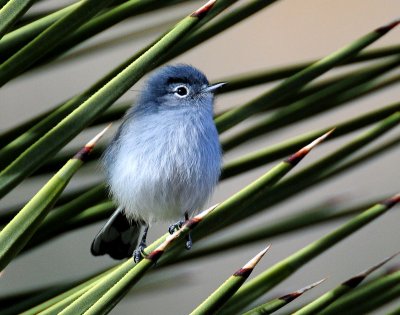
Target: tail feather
118,237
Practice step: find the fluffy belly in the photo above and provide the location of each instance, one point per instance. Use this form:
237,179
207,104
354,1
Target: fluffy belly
163,184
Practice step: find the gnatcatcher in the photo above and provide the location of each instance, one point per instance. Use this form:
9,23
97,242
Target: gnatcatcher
164,160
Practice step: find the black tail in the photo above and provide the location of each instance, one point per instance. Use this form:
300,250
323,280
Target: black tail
118,237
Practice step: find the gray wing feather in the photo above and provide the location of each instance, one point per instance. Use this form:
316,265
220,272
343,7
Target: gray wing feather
118,237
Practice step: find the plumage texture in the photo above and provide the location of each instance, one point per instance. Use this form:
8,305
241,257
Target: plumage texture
165,158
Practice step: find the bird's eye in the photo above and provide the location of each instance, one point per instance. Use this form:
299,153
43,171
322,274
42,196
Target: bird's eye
181,91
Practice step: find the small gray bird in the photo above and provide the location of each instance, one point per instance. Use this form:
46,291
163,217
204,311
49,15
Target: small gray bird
164,161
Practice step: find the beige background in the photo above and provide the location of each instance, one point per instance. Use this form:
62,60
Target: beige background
285,33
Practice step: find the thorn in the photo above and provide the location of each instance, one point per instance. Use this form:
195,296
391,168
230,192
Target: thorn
256,259
311,286
299,155
202,214
380,264
201,12
85,151
386,28
191,223
294,295
246,270
391,201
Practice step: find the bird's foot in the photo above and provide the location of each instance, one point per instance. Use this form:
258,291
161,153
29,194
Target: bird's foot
175,227
138,253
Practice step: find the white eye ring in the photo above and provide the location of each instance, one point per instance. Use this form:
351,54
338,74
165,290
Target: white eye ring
181,91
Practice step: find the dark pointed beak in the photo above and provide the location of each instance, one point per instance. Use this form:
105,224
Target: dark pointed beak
214,87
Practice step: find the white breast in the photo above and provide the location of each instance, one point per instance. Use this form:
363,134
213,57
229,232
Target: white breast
158,169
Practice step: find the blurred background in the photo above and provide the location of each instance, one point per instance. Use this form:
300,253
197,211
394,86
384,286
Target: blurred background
287,32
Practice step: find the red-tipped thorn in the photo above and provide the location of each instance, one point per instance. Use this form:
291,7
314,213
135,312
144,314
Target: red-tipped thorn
201,12
386,28
191,223
391,201
246,270
355,281
299,155
294,295
85,151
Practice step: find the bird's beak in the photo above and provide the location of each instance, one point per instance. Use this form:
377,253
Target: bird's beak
214,87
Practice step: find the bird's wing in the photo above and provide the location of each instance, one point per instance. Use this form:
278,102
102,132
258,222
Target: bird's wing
118,237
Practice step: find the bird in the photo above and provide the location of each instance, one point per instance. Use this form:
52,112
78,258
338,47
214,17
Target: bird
164,161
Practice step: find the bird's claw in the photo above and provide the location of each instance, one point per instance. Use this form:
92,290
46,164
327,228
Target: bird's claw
175,227
139,253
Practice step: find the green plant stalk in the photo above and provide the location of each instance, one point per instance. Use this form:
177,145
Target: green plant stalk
49,295
2,3
378,301
24,135
48,39
219,297
118,14
65,197
301,180
108,291
17,38
11,12
96,291
69,209
58,307
15,235
395,311
104,21
305,218
59,303
329,297
62,300
82,116
219,25
110,298
283,269
23,303
319,102
252,79
324,168
267,308
48,230
300,79
110,17
273,152
362,295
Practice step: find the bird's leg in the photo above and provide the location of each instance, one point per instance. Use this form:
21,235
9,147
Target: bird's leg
189,243
138,254
176,226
